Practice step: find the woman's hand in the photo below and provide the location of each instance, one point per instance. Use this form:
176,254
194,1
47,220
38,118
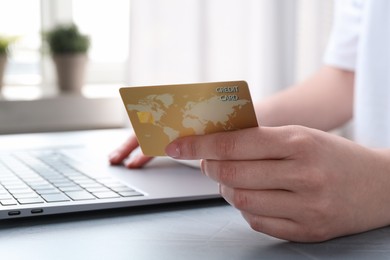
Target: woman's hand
293,182
120,155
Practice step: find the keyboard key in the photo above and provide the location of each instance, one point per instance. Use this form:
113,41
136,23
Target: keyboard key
121,188
47,191
5,196
64,184
8,202
106,195
98,189
55,197
91,185
130,194
70,173
42,186
26,195
30,201
81,179
8,178
61,182
71,188
80,195
20,191
15,186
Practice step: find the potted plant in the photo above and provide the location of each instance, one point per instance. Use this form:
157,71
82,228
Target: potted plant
5,42
69,51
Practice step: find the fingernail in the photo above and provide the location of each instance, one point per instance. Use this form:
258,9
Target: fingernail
172,150
202,167
133,163
114,156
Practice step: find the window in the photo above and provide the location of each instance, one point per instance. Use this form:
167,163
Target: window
23,67
30,73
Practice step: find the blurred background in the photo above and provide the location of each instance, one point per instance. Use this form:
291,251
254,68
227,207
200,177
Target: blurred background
269,43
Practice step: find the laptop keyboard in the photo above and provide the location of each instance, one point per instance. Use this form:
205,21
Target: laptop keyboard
49,176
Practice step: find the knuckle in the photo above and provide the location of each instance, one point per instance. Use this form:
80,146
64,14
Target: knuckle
317,234
322,210
316,181
240,199
309,234
319,215
227,173
255,223
190,148
225,145
311,180
300,138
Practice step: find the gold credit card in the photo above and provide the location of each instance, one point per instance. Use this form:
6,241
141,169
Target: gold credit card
160,114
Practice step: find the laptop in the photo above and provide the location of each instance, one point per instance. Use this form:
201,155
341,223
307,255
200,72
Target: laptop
63,172
52,173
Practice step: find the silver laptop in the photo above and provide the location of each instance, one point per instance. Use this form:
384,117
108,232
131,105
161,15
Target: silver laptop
54,173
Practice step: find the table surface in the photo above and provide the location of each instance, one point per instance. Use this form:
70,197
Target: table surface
192,230
197,230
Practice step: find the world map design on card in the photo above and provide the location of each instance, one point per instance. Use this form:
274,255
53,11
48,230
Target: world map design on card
160,114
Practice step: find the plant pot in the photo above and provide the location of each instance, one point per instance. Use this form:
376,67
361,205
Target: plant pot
3,63
70,71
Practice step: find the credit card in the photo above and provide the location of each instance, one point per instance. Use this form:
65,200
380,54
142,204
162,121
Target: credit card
161,114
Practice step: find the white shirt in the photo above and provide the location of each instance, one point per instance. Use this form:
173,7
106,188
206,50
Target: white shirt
360,42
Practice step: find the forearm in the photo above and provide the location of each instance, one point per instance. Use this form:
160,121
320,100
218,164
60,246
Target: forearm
324,101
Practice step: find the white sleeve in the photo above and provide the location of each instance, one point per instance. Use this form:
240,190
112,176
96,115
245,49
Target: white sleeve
342,47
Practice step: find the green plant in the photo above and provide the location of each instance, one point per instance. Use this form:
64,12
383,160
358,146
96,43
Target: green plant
66,39
5,42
